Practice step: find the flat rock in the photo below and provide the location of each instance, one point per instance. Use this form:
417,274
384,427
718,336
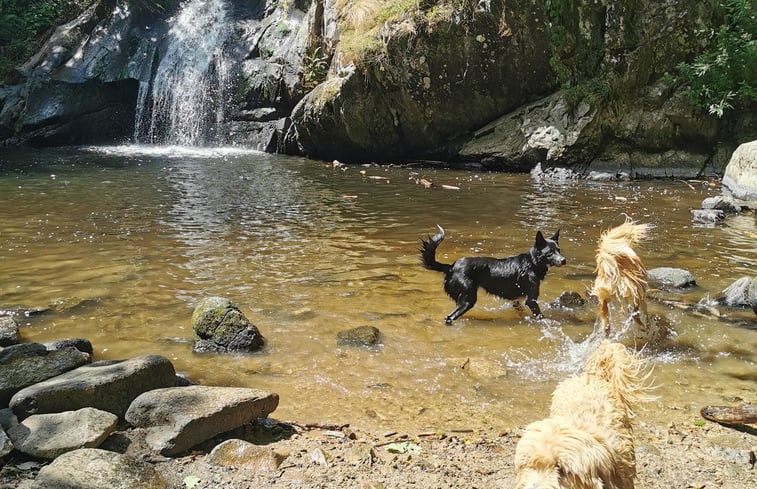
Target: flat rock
29,363
50,435
107,385
8,331
666,277
92,468
244,455
181,417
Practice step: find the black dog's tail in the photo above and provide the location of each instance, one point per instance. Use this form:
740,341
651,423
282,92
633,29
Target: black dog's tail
428,252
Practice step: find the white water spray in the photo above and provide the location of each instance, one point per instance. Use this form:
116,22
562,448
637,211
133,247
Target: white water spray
185,96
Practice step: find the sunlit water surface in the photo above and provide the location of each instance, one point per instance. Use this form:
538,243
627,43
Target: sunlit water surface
126,241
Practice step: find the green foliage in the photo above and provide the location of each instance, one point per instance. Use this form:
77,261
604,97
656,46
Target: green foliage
593,90
23,25
725,76
556,13
315,67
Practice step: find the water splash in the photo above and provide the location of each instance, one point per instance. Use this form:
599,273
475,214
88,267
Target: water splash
185,96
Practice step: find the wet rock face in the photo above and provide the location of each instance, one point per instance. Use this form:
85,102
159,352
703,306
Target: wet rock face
432,83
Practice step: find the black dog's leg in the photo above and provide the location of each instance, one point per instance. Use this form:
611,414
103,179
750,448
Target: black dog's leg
464,304
534,306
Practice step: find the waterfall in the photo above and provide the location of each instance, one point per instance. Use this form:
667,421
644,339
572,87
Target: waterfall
185,96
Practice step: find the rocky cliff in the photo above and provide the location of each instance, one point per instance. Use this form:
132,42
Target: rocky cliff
501,84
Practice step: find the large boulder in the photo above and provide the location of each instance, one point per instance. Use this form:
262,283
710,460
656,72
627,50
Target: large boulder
181,417
740,177
431,82
29,363
107,385
50,435
220,326
92,468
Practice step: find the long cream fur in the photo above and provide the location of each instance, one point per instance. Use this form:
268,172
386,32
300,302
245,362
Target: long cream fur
587,441
621,275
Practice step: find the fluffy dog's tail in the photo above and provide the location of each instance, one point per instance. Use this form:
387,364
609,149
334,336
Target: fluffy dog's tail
620,271
623,371
428,252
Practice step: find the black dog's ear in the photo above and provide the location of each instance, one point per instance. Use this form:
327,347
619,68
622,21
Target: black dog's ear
540,241
556,236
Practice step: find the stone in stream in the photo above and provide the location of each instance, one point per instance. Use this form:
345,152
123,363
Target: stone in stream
220,326
360,336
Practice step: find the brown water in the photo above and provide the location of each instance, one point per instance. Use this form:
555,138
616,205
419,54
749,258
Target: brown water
307,251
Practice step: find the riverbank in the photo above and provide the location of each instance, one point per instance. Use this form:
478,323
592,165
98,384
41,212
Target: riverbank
676,449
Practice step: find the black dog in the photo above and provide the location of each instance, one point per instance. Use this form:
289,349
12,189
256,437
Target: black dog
509,278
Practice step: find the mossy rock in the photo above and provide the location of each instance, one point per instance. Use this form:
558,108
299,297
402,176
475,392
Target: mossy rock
360,336
220,326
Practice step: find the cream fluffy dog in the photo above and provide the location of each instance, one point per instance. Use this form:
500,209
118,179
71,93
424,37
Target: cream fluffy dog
621,275
587,441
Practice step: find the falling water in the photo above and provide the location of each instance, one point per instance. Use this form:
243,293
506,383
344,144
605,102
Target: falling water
185,96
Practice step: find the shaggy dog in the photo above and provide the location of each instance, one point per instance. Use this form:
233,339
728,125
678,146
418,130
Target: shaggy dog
620,273
512,277
587,441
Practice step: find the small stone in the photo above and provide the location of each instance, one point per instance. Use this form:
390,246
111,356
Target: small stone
244,455
666,277
8,331
360,336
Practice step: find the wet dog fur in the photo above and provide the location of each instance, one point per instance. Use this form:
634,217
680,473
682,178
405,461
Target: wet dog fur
587,440
511,278
620,273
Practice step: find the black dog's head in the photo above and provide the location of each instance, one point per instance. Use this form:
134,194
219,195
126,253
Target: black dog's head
549,249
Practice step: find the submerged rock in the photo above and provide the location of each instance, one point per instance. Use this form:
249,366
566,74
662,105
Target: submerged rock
360,336
220,326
